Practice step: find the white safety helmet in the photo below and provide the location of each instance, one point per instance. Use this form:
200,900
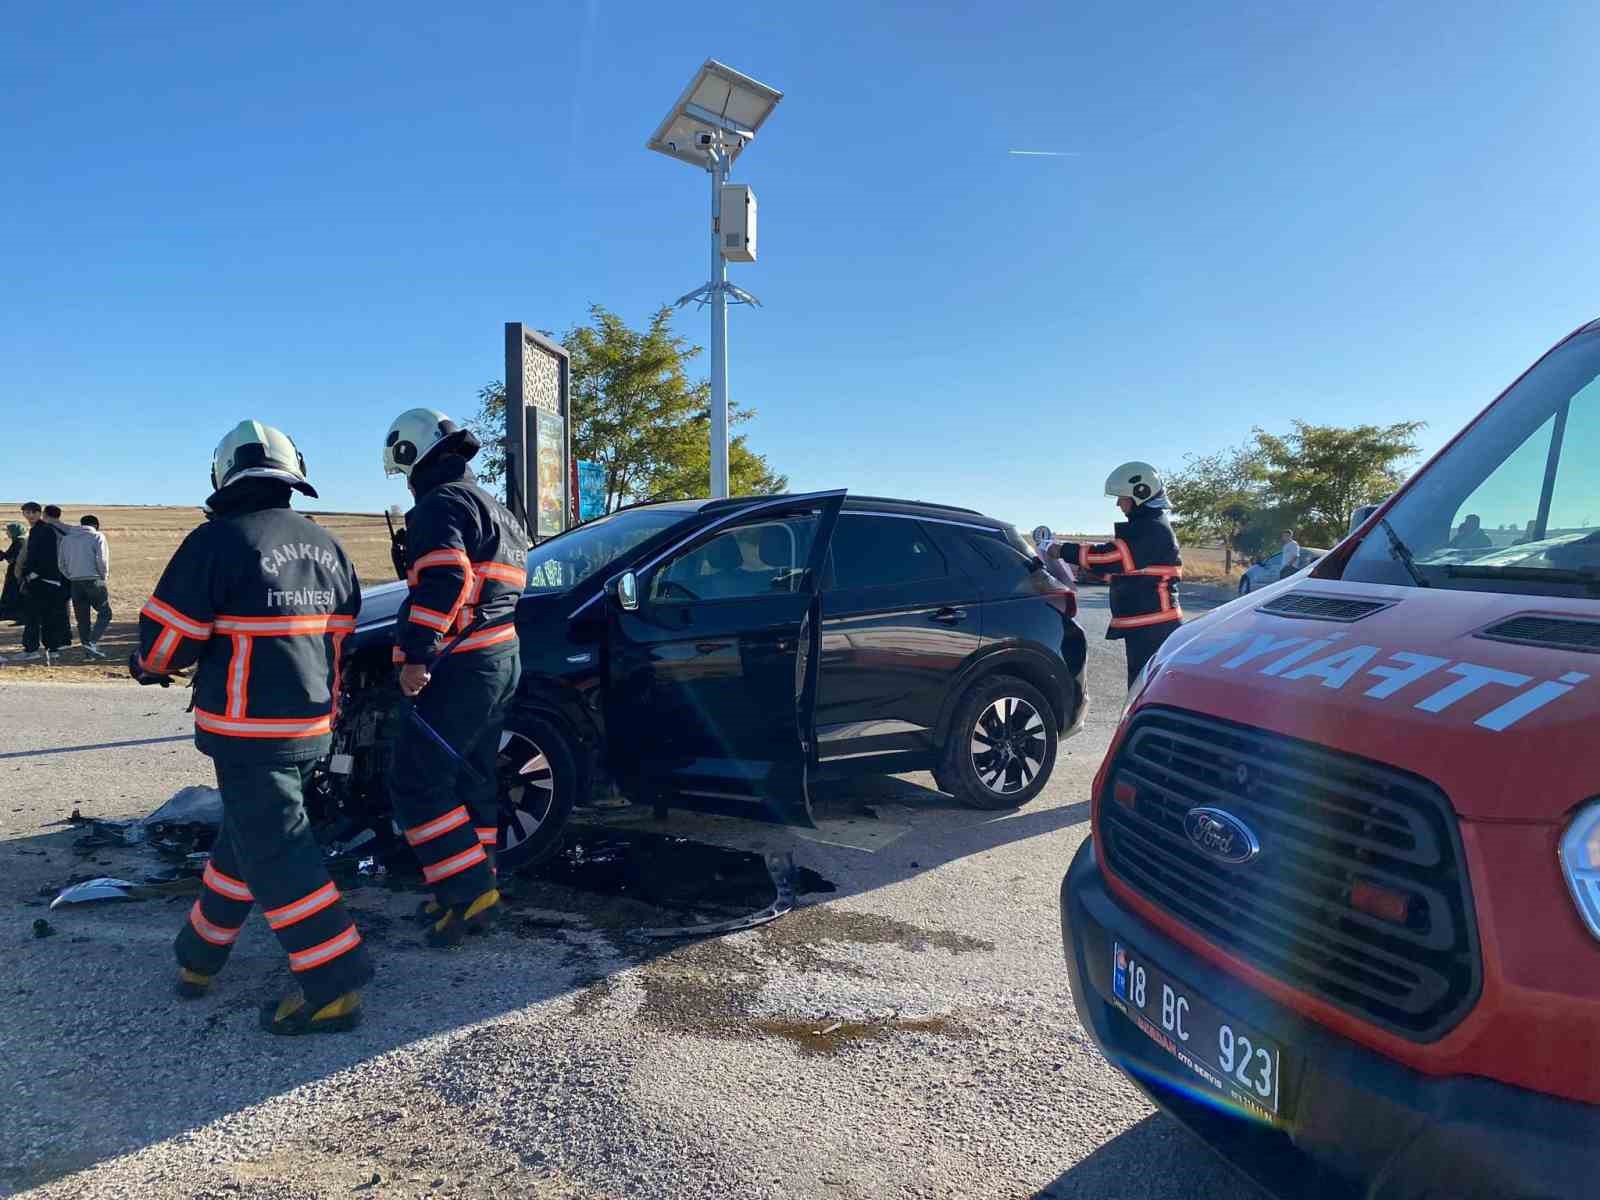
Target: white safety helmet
419,432
1139,482
252,450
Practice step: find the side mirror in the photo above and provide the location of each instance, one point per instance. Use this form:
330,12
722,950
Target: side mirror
625,590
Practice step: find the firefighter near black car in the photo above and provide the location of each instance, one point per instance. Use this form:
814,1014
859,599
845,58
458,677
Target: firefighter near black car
1142,561
456,639
260,600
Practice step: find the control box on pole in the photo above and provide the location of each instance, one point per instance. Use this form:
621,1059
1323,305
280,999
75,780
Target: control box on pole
738,224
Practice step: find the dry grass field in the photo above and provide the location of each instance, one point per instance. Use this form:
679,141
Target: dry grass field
141,540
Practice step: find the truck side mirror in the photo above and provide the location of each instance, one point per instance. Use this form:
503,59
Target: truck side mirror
625,591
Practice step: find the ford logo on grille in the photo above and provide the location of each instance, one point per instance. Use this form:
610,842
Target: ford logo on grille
1221,835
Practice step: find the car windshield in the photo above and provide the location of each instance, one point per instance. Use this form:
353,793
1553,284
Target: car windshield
1514,505
562,563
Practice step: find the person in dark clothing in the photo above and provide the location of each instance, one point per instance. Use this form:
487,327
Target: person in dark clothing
46,593
262,600
457,641
12,555
1143,562
1471,535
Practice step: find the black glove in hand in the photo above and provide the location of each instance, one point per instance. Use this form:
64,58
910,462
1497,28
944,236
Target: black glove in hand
146,678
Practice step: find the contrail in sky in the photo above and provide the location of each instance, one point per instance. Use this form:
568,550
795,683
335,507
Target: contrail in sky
1047,153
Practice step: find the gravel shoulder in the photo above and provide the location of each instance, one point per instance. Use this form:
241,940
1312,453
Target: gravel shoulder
910,1034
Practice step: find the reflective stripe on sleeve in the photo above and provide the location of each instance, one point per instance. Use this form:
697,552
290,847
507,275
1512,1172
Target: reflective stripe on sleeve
454,865
325,952
161,653
488,836
430,618
306,906
163,613
225,885
438,827
439,558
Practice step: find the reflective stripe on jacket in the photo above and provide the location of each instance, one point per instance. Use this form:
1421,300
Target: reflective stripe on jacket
467,570
1144,565
262,599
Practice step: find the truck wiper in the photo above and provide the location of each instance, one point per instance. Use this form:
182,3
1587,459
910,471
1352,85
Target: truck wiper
1401,553
1588,579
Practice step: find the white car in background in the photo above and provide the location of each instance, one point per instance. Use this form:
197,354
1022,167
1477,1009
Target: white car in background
1266,570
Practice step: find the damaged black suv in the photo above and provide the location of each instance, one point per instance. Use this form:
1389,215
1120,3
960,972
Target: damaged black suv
737,651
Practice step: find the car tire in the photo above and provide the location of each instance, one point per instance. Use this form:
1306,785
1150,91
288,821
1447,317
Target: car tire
1023,727
538,785
1244,585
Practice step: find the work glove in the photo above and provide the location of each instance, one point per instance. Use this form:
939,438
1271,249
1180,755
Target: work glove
144,677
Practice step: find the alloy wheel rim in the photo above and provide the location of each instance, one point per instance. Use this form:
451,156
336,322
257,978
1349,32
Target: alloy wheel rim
1008,745
527,789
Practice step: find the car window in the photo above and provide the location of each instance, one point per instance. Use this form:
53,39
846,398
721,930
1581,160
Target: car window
562,563
881,551
1274,561
750,560
1009,564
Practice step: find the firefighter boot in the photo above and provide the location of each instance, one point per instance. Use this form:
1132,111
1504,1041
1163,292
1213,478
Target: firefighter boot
293,1016
454,923
192,985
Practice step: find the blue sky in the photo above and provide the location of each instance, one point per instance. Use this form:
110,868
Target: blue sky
319,215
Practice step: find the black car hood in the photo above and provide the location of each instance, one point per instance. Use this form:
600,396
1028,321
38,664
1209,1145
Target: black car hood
380,604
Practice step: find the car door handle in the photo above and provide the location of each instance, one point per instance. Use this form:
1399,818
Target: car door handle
949,616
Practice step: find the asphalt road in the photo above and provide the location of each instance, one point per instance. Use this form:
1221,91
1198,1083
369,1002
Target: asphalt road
908,1035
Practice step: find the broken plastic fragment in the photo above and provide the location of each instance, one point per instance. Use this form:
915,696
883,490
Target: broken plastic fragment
91,890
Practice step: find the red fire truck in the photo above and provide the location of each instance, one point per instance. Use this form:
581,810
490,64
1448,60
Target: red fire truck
1340,913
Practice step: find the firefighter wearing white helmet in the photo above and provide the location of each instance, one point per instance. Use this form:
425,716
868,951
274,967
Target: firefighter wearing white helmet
1142,561
260,601
456,639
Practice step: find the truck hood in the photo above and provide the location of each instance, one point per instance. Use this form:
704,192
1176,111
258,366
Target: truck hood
1506,728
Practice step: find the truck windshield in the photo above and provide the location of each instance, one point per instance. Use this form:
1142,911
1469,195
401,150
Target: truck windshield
564,562
1514,506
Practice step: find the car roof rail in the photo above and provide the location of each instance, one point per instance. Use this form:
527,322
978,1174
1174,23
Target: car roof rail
860,499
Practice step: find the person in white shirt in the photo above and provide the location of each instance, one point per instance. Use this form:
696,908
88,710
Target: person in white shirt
86,562
1290,562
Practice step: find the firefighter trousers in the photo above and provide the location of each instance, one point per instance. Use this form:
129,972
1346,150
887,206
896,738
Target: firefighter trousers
266,854
451,820
1140,644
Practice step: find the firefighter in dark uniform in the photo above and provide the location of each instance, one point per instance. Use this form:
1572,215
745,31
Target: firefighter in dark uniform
262,599
457,642
1142,560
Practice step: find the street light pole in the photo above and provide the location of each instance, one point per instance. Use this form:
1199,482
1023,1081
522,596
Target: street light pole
711,124
718,169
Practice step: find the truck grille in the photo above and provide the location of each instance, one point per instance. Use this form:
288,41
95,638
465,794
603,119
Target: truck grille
1330,826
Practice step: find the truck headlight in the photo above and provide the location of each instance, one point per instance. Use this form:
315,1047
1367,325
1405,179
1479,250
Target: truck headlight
1580,863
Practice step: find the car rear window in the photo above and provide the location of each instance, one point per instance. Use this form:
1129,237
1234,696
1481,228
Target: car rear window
882,551
1013,565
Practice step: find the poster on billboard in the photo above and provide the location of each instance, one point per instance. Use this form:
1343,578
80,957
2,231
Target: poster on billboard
550,449
591,490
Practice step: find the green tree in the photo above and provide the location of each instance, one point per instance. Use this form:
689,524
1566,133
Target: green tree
636,412
1214,495
1319,473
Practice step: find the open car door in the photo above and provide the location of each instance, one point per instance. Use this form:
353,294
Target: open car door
712,659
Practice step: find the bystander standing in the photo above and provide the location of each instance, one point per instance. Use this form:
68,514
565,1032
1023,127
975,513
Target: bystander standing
86,562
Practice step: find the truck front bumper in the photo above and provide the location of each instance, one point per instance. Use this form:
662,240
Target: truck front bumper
1356,1124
